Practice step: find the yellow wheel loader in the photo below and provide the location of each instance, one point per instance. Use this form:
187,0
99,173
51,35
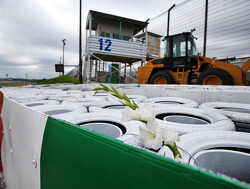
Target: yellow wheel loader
181,65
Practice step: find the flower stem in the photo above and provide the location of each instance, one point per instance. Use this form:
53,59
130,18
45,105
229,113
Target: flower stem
119,94
175,151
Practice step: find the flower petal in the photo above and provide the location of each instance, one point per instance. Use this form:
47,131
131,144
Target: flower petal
147,136
129,114
147,113
152,125
150,138
170,136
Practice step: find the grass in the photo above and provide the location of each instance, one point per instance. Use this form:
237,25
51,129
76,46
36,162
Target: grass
12,84
60,79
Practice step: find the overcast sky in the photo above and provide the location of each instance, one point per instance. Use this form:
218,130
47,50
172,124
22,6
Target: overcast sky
31,31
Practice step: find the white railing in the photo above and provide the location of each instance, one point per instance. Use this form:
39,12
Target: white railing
116,47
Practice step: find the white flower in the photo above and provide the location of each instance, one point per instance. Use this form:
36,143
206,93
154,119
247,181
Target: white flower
147,113
144,114
130,114
151,135
170,136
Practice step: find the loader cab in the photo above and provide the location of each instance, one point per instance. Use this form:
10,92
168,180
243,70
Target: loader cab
180,52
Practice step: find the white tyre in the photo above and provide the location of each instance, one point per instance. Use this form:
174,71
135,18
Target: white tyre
110,124
27,98
88,93
223,152
60,111
170,102
187,120
104,95
88,101
41,102
61,98
128,86
108,105
239,113
62,86
137,98
80,87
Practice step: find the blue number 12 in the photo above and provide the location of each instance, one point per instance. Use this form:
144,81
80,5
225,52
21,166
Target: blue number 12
108,42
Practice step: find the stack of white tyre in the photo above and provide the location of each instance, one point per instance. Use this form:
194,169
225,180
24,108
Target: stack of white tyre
208,137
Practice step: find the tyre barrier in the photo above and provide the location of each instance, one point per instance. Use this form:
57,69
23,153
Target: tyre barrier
60,111
222,152
239,113
41,102
108,123
188,120
170,102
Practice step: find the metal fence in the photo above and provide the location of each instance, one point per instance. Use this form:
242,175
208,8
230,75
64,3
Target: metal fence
228,30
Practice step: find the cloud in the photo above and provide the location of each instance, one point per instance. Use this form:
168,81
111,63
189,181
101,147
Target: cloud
29,68
31,31
22,60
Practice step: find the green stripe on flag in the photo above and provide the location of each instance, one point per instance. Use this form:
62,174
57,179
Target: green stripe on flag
74,157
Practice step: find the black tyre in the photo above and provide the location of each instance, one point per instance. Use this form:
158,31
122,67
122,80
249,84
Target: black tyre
215,76
162,77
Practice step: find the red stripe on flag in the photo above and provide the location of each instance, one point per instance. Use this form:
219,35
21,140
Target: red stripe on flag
1,102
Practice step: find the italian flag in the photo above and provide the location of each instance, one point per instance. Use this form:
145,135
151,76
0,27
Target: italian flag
38,151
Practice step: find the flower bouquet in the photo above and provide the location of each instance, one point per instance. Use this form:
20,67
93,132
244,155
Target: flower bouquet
151,134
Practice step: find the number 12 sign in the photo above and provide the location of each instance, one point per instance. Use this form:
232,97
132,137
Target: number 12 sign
107,45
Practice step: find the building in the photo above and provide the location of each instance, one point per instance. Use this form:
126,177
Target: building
111,38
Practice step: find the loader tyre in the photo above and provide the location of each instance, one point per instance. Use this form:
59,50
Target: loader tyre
162,78
215,76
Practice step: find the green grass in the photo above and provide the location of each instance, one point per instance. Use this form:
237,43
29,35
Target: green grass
12,84
60,79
